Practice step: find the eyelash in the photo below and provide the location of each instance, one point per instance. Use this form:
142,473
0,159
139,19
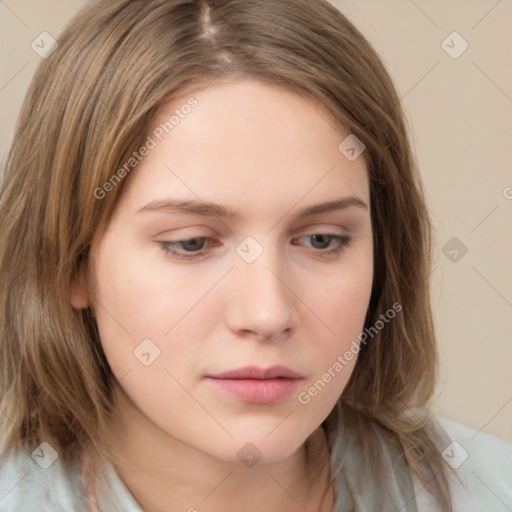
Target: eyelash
169,247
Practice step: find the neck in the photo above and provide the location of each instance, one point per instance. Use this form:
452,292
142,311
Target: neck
164,474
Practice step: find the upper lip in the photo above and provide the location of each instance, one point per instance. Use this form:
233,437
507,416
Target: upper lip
254,372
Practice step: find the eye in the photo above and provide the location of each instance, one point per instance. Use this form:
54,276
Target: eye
193,248
325,244
189,248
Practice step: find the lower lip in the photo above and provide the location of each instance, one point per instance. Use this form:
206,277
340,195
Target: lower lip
255,391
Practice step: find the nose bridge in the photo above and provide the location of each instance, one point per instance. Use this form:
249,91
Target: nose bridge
261,302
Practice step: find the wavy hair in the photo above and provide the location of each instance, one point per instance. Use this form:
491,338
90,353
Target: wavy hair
89,107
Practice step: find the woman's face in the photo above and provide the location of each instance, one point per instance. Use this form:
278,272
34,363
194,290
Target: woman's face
243,239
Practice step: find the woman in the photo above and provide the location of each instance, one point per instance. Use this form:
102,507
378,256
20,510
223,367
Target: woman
216,258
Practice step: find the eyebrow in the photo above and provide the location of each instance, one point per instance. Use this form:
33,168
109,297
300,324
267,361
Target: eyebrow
197,207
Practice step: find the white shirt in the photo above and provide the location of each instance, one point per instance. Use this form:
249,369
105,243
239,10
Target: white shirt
484,465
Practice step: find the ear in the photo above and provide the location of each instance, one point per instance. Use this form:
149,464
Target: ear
78,295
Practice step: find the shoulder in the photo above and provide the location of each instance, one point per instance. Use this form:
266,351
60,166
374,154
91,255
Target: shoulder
37,482
485,462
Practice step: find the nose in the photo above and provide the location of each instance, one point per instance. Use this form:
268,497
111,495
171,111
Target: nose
262,303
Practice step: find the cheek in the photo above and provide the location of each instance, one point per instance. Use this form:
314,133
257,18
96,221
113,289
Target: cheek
341,301
137,300
340,307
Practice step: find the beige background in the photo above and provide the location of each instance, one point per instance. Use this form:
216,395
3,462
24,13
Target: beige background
460,112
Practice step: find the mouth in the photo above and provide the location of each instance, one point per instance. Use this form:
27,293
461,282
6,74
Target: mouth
256,385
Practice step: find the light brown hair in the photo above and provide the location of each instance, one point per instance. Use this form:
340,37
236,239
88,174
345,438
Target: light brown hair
89,108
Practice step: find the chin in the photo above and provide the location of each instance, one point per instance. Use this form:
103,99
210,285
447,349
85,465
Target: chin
261,448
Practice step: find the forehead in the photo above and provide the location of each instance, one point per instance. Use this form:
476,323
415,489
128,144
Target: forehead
248,144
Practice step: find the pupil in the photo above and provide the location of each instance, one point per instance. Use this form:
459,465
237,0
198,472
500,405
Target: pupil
321,241
193,244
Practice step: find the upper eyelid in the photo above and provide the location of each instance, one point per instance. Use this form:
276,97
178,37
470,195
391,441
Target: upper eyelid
305,230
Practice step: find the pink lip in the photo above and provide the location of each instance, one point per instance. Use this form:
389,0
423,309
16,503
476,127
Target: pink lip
253,372
256,385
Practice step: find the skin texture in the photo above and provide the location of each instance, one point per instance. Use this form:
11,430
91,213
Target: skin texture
266,153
